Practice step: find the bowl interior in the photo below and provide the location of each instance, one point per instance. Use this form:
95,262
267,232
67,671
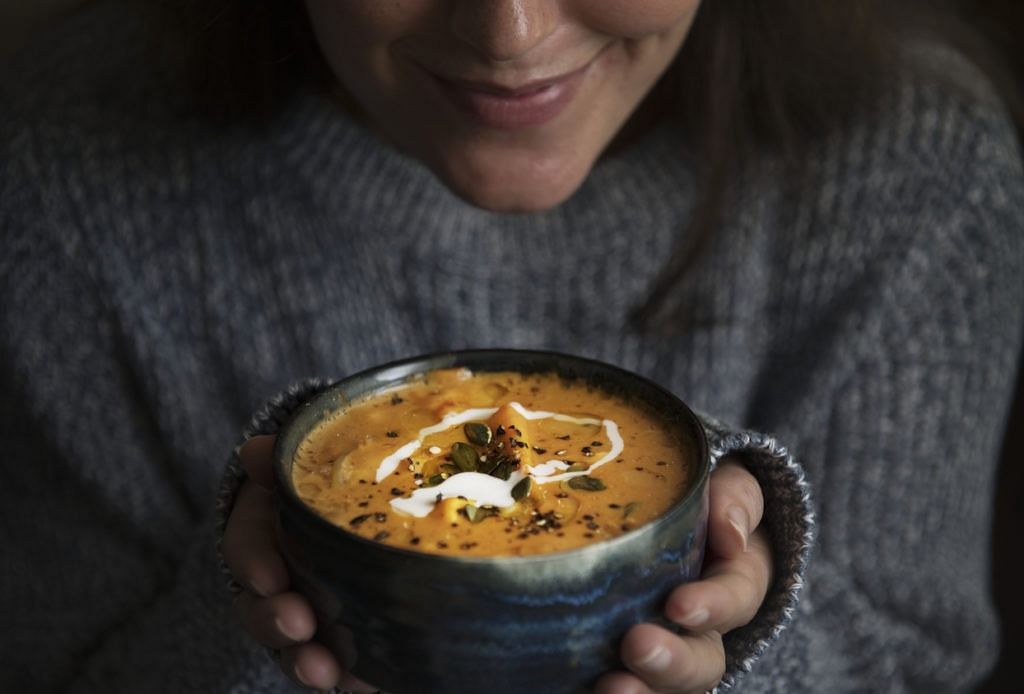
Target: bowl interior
631,387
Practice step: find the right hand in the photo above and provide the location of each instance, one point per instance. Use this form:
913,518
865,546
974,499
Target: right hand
267,610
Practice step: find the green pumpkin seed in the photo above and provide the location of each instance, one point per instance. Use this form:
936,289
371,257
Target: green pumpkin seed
434,480
587,483
465,457
477,433
578,467
502,470
522,489
630,507
475,514
450,469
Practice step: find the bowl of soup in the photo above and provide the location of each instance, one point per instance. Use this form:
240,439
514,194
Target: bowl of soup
490,520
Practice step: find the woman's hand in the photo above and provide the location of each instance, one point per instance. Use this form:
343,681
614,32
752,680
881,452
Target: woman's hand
736,576
270,613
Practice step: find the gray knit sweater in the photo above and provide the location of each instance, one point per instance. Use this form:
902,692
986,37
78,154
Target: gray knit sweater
161,278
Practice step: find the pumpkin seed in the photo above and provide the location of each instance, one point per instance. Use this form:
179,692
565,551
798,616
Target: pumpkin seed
630,507
465,457
434,480
587,483
503,470
522,489
578,467
477,433
475,514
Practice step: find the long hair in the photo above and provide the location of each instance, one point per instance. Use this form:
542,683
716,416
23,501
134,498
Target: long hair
754,77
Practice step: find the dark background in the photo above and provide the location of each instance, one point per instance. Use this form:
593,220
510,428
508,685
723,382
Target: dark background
1003,21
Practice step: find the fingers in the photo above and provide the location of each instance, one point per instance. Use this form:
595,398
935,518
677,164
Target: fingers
729,593
255,456
736,506
311,665
249,546
662,661
283,620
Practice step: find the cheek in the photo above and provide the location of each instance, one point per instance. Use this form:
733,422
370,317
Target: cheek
633,19
361,31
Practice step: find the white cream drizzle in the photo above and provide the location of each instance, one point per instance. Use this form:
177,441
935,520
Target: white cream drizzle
485,490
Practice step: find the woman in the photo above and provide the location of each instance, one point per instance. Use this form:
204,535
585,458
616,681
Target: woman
792,240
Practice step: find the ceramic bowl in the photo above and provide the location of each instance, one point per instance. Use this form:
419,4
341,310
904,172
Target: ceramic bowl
407,621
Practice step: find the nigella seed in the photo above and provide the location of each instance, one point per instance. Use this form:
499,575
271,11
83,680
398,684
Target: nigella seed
392,434
358,520
381,536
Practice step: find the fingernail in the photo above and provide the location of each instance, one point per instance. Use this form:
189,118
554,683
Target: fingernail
657,660
290,630
739,519
695,618
303,676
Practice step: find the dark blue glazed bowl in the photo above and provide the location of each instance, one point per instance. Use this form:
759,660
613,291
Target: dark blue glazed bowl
414,622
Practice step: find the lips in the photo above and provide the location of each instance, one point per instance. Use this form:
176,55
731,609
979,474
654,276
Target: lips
511,108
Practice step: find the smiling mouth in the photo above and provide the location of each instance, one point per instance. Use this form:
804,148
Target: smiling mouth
503,107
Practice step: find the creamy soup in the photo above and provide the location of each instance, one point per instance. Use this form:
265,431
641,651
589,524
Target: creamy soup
491,464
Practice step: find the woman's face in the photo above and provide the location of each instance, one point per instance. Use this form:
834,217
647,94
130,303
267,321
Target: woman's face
510,102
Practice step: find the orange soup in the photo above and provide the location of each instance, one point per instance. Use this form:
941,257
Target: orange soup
491,464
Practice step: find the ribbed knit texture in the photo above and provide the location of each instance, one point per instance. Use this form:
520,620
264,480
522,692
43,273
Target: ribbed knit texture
160,279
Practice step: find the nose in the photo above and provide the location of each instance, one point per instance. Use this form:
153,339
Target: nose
504,30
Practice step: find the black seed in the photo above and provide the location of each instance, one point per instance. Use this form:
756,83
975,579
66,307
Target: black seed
381,536
392,434
359,519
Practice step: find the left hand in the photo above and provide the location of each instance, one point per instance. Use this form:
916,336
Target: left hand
735,580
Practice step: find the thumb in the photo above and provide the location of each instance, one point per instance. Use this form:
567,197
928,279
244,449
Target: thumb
736,506
256,456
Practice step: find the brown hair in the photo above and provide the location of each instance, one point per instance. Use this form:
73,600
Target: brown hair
753,77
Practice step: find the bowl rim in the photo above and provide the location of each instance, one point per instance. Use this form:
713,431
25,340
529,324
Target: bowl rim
405,368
